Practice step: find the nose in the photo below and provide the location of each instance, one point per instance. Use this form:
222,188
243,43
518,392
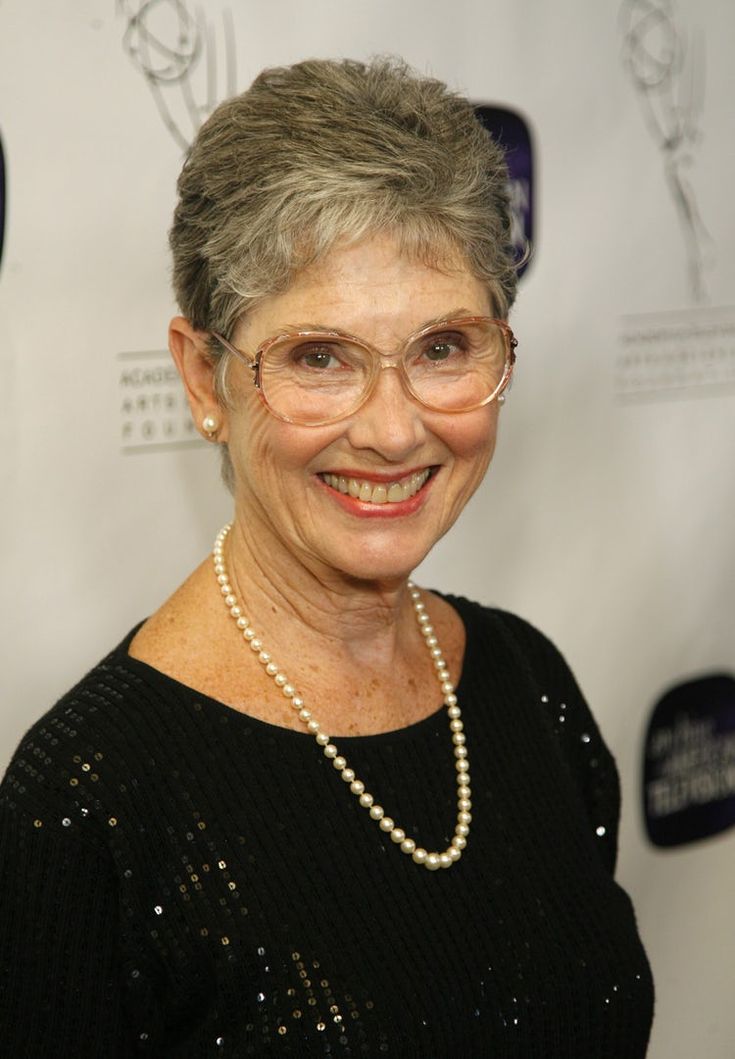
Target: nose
390,422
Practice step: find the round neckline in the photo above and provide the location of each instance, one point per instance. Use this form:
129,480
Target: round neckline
193,697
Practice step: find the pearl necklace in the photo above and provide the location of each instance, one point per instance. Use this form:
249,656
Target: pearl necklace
432,861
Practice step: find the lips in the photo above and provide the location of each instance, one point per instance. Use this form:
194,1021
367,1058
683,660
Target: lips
371,492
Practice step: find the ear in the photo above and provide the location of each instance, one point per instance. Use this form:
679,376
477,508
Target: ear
192,358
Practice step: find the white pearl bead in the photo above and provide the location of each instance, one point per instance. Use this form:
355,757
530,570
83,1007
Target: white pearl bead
433,860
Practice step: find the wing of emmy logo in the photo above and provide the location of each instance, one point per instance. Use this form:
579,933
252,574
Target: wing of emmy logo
666,66
186,57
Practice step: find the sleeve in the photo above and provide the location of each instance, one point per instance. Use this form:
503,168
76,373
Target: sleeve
60,992
582,746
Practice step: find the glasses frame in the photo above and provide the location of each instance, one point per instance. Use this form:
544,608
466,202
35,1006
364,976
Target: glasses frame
379,362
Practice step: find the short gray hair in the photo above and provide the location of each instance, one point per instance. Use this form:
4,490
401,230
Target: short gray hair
331,150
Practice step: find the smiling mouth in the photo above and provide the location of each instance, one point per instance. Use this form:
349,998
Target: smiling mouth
381,492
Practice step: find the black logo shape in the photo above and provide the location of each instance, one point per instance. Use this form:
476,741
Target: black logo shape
689,767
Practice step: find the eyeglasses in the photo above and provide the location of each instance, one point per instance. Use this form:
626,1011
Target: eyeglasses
313,378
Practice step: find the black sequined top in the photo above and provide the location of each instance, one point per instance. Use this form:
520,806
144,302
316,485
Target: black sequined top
178,879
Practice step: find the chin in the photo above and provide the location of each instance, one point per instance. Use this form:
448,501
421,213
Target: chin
387,564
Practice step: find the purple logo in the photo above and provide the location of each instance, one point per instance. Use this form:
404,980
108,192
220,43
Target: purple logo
689,768
510,130
2,199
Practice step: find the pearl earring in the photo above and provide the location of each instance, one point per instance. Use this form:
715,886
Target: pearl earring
210,427
500,398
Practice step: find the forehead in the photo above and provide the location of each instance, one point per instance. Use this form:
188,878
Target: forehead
369,289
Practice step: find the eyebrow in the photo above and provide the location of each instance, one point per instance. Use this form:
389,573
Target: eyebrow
453,314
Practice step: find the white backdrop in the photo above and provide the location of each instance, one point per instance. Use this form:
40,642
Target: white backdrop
608,517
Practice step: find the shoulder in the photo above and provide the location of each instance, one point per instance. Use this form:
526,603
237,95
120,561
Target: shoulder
523,662
512,641
81,748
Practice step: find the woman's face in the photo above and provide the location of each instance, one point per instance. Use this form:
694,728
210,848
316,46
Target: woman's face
285,474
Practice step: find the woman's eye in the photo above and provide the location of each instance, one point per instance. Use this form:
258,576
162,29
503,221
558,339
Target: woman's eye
319,358
439,351
444,347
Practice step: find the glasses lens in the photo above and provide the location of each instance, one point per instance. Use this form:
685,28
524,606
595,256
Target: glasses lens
314,378
317,378
458,367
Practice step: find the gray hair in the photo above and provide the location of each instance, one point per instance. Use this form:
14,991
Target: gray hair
332,150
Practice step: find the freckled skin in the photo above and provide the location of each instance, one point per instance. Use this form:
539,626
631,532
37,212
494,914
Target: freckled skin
371,291
327,589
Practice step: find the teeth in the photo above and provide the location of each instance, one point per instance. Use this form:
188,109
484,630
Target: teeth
371,493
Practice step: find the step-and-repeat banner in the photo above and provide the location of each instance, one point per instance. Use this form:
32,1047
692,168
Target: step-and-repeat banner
608,517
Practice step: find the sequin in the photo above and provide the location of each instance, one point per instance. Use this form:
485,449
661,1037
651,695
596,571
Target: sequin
600,831
158,910
38,823
585,737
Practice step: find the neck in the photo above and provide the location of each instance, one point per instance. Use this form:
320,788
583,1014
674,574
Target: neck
297,600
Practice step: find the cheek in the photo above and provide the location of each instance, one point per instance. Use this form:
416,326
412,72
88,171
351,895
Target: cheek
262,447
472,437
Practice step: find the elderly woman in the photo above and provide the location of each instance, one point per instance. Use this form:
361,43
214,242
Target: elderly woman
308,808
